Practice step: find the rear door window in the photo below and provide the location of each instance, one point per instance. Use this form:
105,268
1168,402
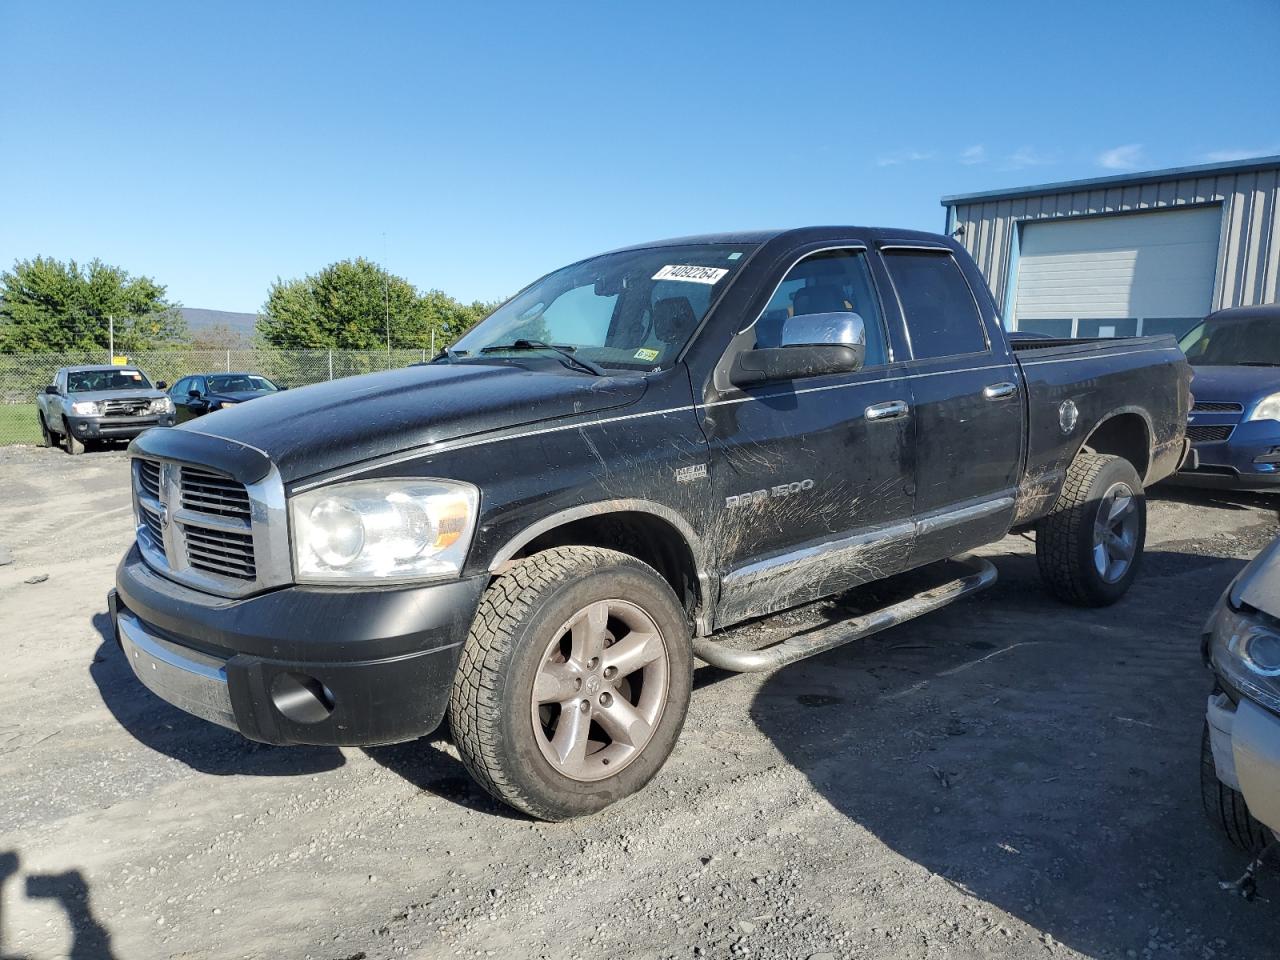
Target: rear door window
937,305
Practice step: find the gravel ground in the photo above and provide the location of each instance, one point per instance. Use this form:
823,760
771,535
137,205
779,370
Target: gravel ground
1008,777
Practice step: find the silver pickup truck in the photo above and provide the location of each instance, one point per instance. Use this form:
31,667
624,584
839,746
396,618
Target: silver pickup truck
100,403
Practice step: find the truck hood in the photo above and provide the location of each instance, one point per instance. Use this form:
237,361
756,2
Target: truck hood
311,430
1234,384
148,393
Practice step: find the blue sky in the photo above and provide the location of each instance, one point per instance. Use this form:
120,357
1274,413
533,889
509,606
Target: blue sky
471,147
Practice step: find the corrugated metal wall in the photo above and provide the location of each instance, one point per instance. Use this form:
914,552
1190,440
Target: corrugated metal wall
1248,261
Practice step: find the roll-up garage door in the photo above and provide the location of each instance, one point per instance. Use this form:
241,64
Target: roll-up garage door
1118,275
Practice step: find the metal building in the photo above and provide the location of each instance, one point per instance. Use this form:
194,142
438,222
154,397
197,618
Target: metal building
1142,253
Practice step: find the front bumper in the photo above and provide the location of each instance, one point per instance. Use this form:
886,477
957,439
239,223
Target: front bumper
116,428
1246,754
352,667
1232,463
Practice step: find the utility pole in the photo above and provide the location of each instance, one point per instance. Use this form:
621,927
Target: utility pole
386,295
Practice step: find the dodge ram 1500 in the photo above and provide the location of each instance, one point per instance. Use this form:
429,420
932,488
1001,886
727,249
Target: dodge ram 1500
540,531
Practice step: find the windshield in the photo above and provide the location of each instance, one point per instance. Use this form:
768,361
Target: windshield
633,310
234,382
1233,341
90,381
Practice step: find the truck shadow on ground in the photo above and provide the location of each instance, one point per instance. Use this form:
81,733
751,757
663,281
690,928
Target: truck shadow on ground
201,745
428,765
90,940
1038,757
1221,499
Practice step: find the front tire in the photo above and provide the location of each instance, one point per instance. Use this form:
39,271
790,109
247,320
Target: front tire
574,682
1089,547
47,437
75,446
1226,808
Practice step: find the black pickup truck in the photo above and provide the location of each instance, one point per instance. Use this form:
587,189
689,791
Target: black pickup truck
539,532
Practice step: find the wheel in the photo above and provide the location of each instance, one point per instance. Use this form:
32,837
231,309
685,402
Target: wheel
574,682
74,446
1089,547
1226,807
47,437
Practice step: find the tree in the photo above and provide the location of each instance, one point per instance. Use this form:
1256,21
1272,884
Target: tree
350,304
48,305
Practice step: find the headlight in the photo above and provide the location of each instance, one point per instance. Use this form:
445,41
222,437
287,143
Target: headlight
1246,649
85,408
1268,408
227,403
382,530
161,405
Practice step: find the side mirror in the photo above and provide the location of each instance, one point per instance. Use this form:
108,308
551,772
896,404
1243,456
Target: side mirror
51,390
193,394
812,345
162,385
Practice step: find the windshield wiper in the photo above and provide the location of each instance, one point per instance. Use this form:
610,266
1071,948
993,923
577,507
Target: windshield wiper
448,355
1256,363
567,354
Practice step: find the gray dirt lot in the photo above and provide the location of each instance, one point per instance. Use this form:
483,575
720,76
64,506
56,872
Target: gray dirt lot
803,814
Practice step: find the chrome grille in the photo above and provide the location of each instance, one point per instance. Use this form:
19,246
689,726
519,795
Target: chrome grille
206,530
1197,434
212,493
152,524
149,477
220,551
1214,406
124,408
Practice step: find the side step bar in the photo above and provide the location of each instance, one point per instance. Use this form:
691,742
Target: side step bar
982,574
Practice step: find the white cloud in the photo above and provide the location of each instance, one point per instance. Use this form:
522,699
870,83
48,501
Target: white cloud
1127,157
1027,157
1226,156
903,156
975,154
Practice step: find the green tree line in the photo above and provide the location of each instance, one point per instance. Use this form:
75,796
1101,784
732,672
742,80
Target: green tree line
51,305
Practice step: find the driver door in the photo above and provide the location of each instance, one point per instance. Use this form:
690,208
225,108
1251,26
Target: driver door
813,477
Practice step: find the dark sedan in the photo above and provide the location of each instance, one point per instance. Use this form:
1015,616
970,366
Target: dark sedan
1234,426
203,393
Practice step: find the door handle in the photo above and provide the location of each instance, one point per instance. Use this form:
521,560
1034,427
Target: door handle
999,391
893,410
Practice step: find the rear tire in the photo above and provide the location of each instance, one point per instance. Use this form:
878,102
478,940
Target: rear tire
1089,547
1226,808
545,717
75,447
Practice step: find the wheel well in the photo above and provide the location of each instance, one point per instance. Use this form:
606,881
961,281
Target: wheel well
644,536
1125,435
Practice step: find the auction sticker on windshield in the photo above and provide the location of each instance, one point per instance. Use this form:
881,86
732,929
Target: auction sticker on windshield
690,274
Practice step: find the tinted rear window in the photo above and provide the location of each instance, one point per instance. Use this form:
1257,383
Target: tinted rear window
938,306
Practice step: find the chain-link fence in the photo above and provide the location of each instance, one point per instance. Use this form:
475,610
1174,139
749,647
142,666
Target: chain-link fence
24,375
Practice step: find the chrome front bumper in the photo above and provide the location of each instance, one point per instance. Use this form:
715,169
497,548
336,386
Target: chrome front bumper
1246,754
190,680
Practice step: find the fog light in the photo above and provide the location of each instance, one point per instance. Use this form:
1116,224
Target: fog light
1272,456
300,698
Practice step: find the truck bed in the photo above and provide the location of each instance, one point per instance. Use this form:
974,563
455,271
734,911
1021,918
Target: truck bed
1140,379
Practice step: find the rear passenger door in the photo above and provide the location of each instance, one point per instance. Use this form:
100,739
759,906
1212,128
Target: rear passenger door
967,406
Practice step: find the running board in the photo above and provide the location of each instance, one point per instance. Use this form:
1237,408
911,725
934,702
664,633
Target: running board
982,575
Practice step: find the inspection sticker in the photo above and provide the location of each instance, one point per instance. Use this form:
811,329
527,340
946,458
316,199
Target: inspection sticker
690,274
644,353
